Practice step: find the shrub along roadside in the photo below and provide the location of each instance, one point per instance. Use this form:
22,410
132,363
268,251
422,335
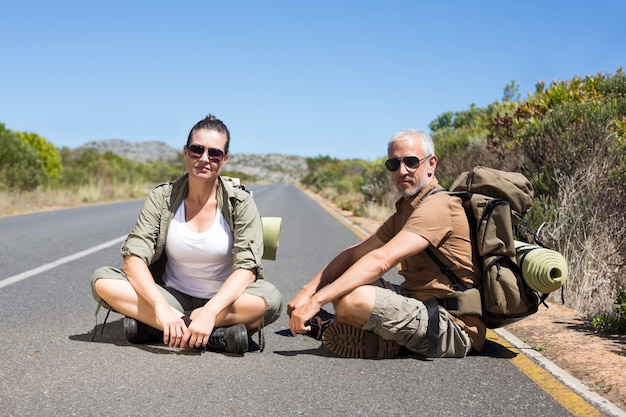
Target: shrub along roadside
35,175
615,323
21,168
569,138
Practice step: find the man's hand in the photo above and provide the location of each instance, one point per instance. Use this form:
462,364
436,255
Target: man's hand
300,315
299,300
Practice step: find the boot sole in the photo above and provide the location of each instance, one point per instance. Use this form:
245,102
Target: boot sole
349,342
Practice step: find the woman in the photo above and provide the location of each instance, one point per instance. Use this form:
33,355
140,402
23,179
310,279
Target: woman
192,263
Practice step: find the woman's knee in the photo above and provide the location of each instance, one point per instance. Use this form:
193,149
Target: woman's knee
103,276
272,298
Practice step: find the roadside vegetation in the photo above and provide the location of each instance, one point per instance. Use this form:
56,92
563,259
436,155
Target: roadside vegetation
568,138
35,174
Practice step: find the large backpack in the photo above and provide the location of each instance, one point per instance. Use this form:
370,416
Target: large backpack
494,202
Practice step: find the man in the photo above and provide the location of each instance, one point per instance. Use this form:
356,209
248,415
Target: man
375,318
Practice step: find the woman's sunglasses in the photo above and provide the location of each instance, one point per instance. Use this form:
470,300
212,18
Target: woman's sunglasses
411,162
196,152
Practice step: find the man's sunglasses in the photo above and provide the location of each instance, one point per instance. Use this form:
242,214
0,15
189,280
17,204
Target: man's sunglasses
411,162
196,152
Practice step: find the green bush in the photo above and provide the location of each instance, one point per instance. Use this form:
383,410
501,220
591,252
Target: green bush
48,153
21,167
84,166
568,138
613,323
356,183
571,138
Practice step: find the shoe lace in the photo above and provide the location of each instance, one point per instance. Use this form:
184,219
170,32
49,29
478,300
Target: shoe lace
95,328
217,338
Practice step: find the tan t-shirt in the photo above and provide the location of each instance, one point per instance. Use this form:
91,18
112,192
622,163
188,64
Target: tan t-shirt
441,220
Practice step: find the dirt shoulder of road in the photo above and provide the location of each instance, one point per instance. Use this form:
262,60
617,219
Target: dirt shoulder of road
560,334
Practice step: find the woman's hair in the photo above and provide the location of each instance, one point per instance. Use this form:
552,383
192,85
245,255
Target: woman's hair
211,123
428,147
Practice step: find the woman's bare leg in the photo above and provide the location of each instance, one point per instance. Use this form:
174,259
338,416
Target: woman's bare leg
248,309
123,298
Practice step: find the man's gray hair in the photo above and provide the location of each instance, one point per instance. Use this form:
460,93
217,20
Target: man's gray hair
428,146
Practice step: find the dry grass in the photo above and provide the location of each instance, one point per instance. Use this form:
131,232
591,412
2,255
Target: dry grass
377,212
589,231
46,199
355,202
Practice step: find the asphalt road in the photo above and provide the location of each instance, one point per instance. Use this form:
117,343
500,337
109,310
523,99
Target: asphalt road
49,365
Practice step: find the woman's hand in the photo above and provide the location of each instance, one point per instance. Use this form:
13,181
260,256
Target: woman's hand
173,326
201,327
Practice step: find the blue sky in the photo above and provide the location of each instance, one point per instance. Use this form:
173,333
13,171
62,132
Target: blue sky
335,78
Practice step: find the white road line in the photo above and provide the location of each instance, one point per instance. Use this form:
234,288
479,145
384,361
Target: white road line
36,271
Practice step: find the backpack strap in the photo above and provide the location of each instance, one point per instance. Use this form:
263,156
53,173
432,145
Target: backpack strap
432,304
432,331
457,283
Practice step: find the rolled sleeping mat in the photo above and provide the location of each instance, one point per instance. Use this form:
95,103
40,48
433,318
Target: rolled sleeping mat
271,236
544,270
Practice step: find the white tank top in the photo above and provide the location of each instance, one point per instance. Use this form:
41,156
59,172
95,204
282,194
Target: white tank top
198,263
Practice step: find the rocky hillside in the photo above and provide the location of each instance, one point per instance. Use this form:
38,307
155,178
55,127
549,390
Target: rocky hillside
269,168
265,168
152,151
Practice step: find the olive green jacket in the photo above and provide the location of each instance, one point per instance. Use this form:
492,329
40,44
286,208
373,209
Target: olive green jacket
147,238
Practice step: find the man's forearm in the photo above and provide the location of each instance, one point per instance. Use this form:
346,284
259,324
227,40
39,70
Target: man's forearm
365,271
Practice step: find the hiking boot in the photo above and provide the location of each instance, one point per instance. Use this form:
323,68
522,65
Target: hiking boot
320,322
232,339
137,332
350,342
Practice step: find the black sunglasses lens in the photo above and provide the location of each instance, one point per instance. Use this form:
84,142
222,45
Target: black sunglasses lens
392,164
195,151
412,162
216,153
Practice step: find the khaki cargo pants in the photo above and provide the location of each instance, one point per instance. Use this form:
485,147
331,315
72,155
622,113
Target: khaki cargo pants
183,302
406,321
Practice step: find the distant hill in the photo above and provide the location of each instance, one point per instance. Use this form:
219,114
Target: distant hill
270,168
267,168
151,151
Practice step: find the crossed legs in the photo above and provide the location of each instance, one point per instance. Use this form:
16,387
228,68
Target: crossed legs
122,298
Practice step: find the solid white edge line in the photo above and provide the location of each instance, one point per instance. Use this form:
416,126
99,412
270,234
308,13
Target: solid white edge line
36,271
572,382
